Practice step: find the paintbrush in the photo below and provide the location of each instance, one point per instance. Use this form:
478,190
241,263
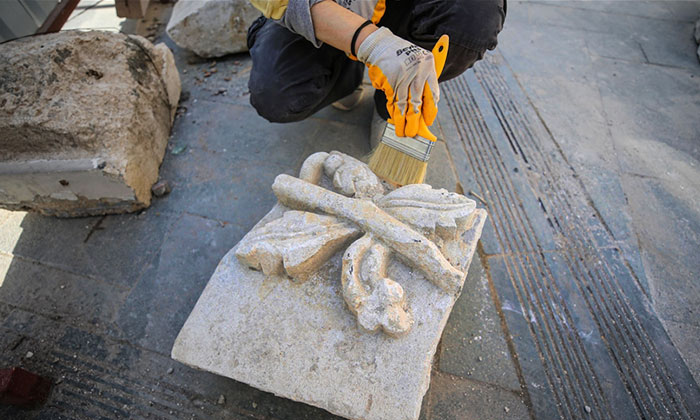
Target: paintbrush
404,160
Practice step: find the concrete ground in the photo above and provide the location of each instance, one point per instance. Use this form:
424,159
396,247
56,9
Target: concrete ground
579,134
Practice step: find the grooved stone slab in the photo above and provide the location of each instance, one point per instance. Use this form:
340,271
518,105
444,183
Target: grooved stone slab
300,340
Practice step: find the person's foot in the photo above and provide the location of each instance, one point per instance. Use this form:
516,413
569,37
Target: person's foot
351,101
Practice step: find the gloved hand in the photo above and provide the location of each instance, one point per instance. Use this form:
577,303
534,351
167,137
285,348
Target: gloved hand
406,74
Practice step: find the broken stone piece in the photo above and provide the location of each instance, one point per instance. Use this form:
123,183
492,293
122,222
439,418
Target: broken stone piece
161,188
85,118
358,336
164,59
211,28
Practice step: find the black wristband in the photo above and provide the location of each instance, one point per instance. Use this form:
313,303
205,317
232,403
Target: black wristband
355,35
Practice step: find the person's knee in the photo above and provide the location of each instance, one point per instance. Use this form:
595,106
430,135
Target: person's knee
277,94
273,107
470,24
276,104
459,60
473,27
290,78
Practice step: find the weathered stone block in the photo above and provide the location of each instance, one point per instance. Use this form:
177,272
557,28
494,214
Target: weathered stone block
85,118
211,28
339,295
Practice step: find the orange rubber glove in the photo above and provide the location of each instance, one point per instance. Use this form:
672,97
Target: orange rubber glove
406,73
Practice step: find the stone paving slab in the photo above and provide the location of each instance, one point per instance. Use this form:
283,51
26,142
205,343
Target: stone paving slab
473,345
158,305
453,397
90,247
624,113
569,287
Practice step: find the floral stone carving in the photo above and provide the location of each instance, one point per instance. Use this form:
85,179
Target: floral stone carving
404,222
339,295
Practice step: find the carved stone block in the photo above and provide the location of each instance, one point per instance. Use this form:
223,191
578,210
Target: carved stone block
339,295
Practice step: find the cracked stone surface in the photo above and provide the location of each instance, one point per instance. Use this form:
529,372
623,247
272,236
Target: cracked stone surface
355,329
212,28
85,118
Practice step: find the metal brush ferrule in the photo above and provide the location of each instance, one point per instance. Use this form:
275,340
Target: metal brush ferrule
417,147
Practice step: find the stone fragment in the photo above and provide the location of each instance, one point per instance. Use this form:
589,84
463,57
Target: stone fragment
161,188
697,30
165,62
211,28
357,338
85,118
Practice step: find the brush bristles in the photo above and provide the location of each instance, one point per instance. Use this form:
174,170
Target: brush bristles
397,167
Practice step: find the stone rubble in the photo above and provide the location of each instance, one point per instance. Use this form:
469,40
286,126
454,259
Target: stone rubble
85,118
211,28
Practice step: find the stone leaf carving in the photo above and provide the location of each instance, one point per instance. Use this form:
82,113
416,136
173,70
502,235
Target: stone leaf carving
296,244
408,244
430,211
378,301
410,223
351,177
